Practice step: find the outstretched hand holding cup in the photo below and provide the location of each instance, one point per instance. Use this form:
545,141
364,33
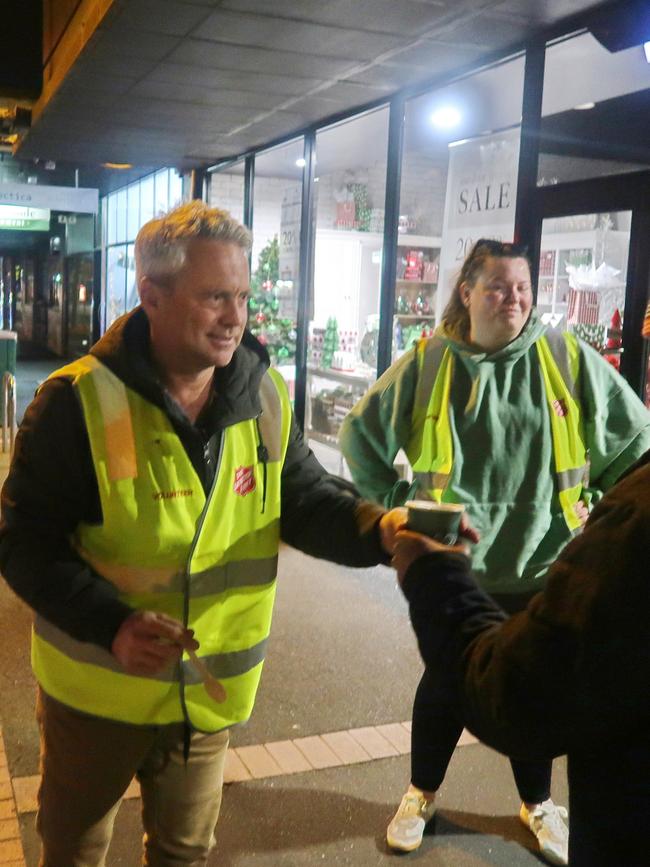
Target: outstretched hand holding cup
431,527
440,521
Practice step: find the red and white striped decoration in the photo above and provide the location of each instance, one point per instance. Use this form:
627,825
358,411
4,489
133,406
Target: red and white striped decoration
583,307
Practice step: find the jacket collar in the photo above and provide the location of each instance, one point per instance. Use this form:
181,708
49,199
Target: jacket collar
125,350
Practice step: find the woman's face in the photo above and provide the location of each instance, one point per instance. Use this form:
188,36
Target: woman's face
499,302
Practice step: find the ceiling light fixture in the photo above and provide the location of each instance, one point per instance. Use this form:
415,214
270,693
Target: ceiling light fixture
119,166
446,117
585,106
300,162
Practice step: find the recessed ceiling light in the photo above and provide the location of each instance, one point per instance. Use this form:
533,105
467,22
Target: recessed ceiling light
300,162
446,117
646,48
585,106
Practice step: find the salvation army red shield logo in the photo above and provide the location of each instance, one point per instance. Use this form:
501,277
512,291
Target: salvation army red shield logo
244,481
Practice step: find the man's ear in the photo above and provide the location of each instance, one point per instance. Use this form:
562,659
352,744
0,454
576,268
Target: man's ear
149,293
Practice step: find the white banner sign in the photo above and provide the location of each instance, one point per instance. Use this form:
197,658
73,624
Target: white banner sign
77,199
480,201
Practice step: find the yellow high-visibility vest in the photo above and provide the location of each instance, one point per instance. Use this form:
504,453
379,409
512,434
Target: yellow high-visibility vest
210,562
430,448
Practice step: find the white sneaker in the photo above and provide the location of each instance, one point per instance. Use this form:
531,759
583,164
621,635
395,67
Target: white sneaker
407,826
546,823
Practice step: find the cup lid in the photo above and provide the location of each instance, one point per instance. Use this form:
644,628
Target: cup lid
431,506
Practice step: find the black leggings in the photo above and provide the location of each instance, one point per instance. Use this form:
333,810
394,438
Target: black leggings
437,726
434,734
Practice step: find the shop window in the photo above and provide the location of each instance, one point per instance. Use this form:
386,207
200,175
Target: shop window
146,200
582,278
593,102
175,189
275,257
133,211
226,190
349,193
120,206
110,231
79,233
161,192
458,184
116,271
79,300
132,297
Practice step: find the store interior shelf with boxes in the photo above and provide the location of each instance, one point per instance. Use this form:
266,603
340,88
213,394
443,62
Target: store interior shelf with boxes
416,283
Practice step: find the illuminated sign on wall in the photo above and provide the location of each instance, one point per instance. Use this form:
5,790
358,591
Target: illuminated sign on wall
25,219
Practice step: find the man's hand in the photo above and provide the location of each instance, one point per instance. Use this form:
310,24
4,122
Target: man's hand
148,642
394,521
389,525
582,511
409,546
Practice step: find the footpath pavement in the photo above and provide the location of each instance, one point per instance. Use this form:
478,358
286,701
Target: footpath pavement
316,774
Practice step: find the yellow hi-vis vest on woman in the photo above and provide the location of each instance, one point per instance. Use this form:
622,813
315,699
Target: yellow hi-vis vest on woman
209,562
430,448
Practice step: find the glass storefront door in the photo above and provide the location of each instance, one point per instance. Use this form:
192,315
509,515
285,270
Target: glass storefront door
583,275
594,267
348,219
275,257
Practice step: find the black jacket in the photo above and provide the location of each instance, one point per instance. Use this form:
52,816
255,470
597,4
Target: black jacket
572,672
52,486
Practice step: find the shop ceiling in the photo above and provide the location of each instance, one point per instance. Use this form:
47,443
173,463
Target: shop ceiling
187,83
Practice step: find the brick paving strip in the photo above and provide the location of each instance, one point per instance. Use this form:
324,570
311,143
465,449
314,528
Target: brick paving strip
272,759
11,847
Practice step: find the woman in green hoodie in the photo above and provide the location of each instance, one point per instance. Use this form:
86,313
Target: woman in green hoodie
525,426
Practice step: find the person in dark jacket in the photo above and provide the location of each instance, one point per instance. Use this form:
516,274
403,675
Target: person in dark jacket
151,483
569,675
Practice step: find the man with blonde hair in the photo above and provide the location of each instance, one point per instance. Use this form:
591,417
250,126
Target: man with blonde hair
151,484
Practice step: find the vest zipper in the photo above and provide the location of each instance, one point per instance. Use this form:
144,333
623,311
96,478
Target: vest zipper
186,588
262,457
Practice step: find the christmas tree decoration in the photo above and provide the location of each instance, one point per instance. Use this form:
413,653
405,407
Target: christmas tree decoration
330,342
594,335
362,209
275,332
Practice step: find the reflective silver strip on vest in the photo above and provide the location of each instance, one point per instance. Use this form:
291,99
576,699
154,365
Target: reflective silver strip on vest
560,353
217,579
570,478
427,374
270,420
80,651
219,664
431,481
222,665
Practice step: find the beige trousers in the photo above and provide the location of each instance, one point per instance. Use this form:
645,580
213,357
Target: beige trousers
87,764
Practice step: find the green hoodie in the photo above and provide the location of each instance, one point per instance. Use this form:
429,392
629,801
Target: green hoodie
503,468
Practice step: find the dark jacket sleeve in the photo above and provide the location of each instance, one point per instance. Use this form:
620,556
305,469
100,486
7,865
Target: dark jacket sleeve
49,490
323,515
571,671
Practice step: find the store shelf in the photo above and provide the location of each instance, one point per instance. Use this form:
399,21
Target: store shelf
325,439
418,241
403,280
414,315
340,375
